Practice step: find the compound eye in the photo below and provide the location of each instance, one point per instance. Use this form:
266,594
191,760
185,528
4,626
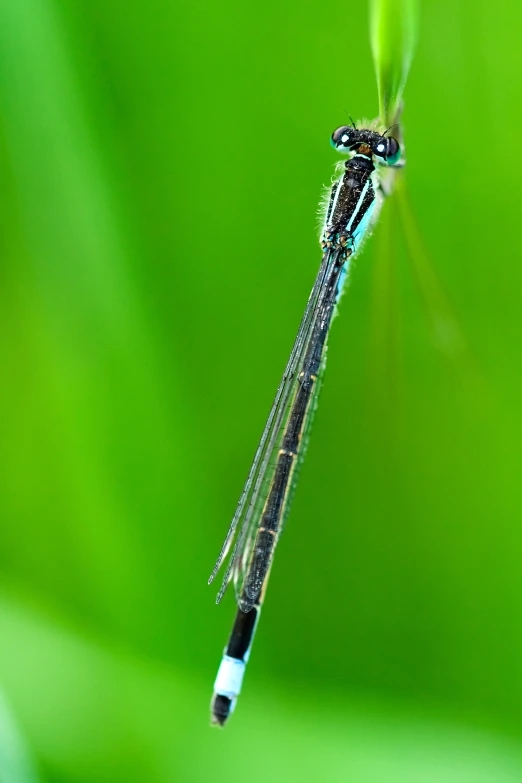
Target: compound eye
393,151
388,149
342,138
380,148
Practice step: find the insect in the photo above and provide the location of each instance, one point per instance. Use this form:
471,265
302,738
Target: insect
352,206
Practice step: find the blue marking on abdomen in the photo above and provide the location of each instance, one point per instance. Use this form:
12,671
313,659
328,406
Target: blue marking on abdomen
363,225
342,278
357,235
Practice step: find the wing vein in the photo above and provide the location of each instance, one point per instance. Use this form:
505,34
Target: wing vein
259,464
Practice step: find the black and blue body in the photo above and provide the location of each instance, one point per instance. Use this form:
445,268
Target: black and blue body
351,207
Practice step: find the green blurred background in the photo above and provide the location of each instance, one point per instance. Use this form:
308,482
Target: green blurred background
161,164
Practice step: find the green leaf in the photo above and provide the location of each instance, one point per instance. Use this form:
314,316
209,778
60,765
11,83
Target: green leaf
393,34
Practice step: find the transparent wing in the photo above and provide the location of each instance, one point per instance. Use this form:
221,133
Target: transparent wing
243,515
247,512
305,435
273,489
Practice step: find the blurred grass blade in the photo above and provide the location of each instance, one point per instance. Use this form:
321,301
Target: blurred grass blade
384,364
16,765
393,34
448,335
78,335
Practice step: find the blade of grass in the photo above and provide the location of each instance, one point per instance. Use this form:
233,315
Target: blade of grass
447,333
90,405
393,34
384,370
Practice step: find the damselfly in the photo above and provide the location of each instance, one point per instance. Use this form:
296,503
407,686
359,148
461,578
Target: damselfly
352,205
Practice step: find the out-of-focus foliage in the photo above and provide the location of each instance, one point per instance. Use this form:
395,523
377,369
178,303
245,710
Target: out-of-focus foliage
16,764
161,165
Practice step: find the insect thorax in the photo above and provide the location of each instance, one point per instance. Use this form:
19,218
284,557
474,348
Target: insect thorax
350,204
